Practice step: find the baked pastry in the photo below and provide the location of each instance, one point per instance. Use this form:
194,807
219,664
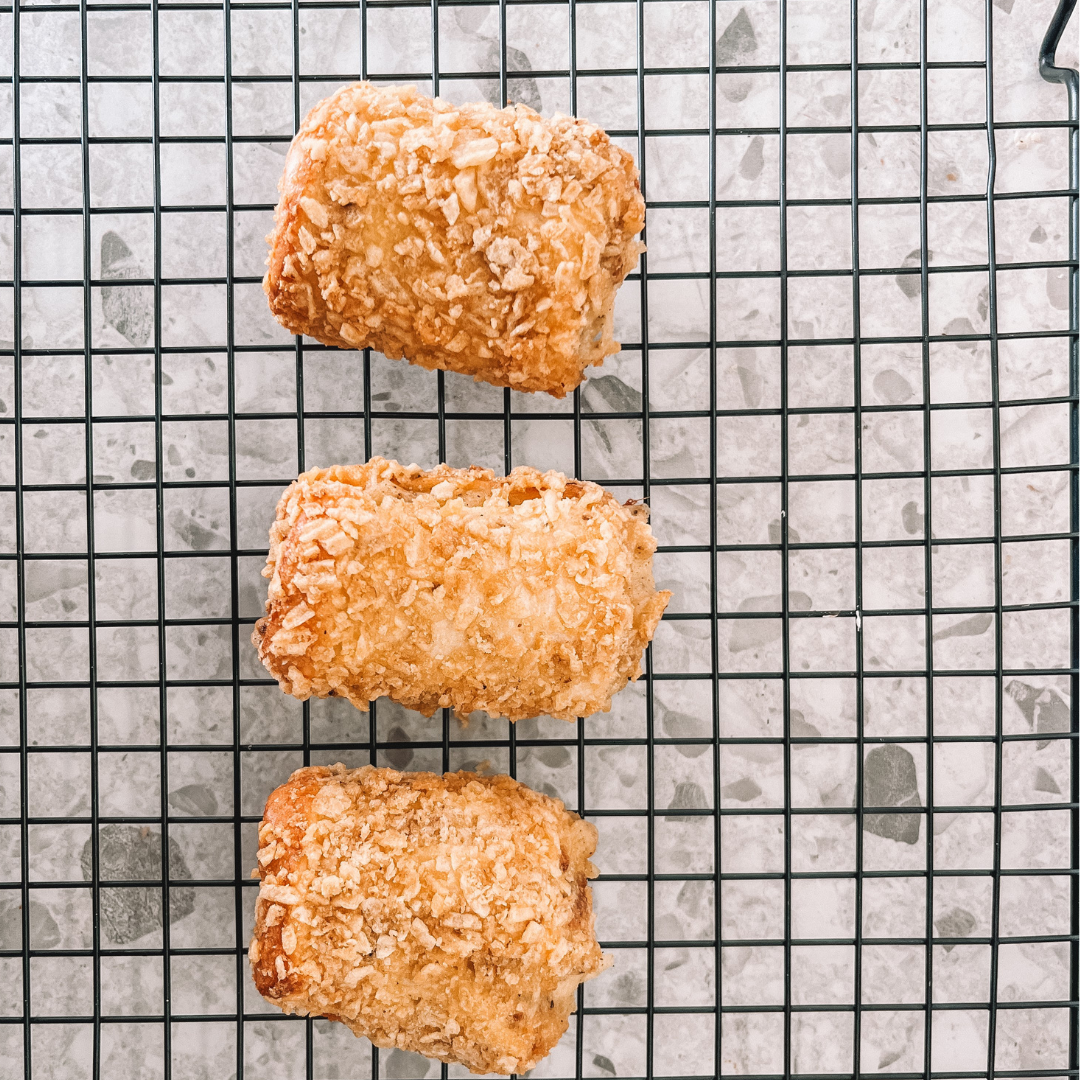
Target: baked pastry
464,237
520,596
449,915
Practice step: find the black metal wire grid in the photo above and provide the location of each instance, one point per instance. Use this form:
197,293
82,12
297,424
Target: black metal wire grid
242,1038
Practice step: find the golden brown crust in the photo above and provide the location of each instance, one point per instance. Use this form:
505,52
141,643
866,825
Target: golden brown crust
520,596
447,915
473,239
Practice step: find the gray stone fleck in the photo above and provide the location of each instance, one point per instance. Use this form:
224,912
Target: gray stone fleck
470,19
525,90
403,1065
889,779
1057,287
518,63
627,988
961,326
44,933
131,853
198,536
398,757
677,725
1045,782
911,284
957,922
127,310
752,633
1026,697
688,796
892,387
751,383
776,533
1044,709
58,577
837,157
735,959
911,519
737,41
608,393
801,728
741,790
753,160
971,627
195,799
554,757
695,898
736,89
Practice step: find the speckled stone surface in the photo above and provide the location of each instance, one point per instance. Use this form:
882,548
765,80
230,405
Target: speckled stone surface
206,745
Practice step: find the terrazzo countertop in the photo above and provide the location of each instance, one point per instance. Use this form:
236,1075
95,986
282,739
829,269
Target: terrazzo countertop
652,770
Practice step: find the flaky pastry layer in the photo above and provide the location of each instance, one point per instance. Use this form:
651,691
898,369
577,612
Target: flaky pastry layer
519,596
464,237
449,915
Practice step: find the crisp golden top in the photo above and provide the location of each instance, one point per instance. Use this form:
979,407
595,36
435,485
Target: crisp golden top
480,240
522,595
448,915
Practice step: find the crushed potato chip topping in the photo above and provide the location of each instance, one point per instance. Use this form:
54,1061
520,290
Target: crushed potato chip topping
448,915
473,239
520,596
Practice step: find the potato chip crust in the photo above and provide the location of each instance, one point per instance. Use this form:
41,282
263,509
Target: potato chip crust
520,596
464,237
449,915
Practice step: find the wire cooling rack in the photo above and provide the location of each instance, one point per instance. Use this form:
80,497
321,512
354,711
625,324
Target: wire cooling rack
838,814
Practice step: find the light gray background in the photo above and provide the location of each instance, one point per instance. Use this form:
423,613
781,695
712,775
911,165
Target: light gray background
212,675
